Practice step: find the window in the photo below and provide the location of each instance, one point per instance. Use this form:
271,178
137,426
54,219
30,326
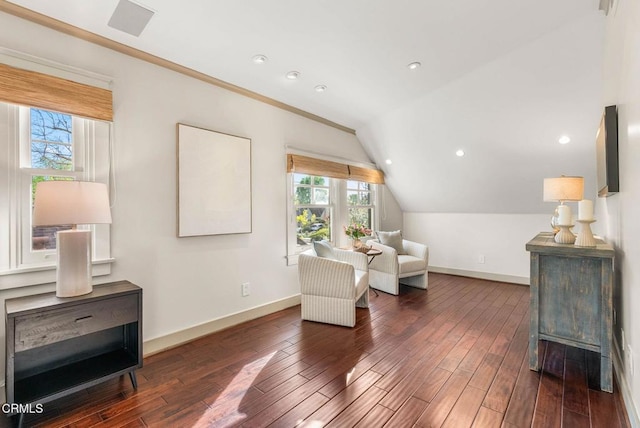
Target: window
312,201
42,145
360,203
51,140
324,196
51,146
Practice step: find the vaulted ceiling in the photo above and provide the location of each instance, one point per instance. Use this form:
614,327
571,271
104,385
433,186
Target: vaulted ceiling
500,79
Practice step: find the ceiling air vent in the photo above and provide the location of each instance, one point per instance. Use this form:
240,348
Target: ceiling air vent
130,17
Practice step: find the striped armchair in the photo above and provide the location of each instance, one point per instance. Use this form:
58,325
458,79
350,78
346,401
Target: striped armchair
389,269
331,289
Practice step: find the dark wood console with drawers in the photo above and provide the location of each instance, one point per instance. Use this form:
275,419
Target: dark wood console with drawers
57,346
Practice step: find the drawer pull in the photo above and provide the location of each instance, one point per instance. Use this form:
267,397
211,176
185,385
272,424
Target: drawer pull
88,317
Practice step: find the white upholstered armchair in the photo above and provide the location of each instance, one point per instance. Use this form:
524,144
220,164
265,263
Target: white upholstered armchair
389,269
332,288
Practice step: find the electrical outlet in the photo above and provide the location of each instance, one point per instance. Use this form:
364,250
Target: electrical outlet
481,259
246,289
630,358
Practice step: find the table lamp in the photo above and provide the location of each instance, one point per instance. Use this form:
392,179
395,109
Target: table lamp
563,189
72,202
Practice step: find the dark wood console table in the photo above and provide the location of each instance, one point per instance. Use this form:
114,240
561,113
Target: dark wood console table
58,346
571,299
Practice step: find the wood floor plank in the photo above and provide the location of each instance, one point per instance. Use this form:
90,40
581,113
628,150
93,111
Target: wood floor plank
576,389
483,376
271,382
574,420
603,408
191,416
365,364
139,397
523,400
452,360
337,404
132,412
299,413
359,408
63,413
489,418
432,384
439,408
137,423
376,418
414,379
548,411
226,413
501,389
275,403
465,410
454,355
408,414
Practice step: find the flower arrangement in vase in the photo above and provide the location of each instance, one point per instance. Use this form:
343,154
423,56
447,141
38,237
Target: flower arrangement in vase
355,232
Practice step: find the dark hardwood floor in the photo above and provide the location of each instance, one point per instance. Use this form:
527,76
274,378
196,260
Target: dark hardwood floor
452,356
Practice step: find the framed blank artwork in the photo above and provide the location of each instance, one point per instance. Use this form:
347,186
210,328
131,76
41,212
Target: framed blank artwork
214,182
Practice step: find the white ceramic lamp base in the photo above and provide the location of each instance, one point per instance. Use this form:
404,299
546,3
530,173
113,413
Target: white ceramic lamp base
585,237
73,276
565,236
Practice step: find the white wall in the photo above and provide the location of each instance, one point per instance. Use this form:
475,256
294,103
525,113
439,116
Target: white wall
620,212
457,241
390,212
187,281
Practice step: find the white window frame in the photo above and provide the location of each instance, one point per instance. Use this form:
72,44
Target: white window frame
19,264
339,214
28,257
293,249
372,200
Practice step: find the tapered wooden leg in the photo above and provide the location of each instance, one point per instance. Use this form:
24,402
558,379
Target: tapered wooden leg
134,381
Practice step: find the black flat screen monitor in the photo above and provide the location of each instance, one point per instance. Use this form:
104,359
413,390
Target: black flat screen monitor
607,153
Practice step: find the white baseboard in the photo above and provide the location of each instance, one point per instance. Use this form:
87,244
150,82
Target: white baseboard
630,406
162,343
524,280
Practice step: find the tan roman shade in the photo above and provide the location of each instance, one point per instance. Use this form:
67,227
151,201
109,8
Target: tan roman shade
313,166
30,88
367,175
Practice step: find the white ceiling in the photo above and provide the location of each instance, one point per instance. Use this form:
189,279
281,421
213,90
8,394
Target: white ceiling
502,79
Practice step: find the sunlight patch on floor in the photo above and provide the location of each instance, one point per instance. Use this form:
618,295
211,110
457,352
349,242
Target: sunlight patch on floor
225,411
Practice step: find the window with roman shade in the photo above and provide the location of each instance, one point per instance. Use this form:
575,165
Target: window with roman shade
57,129
324,196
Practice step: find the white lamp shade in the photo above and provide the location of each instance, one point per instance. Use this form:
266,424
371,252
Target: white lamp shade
563,189
71,202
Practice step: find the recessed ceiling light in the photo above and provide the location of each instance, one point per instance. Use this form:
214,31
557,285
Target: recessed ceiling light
459,153
388,162
414,65
260,59
293,75
320,88
564,140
